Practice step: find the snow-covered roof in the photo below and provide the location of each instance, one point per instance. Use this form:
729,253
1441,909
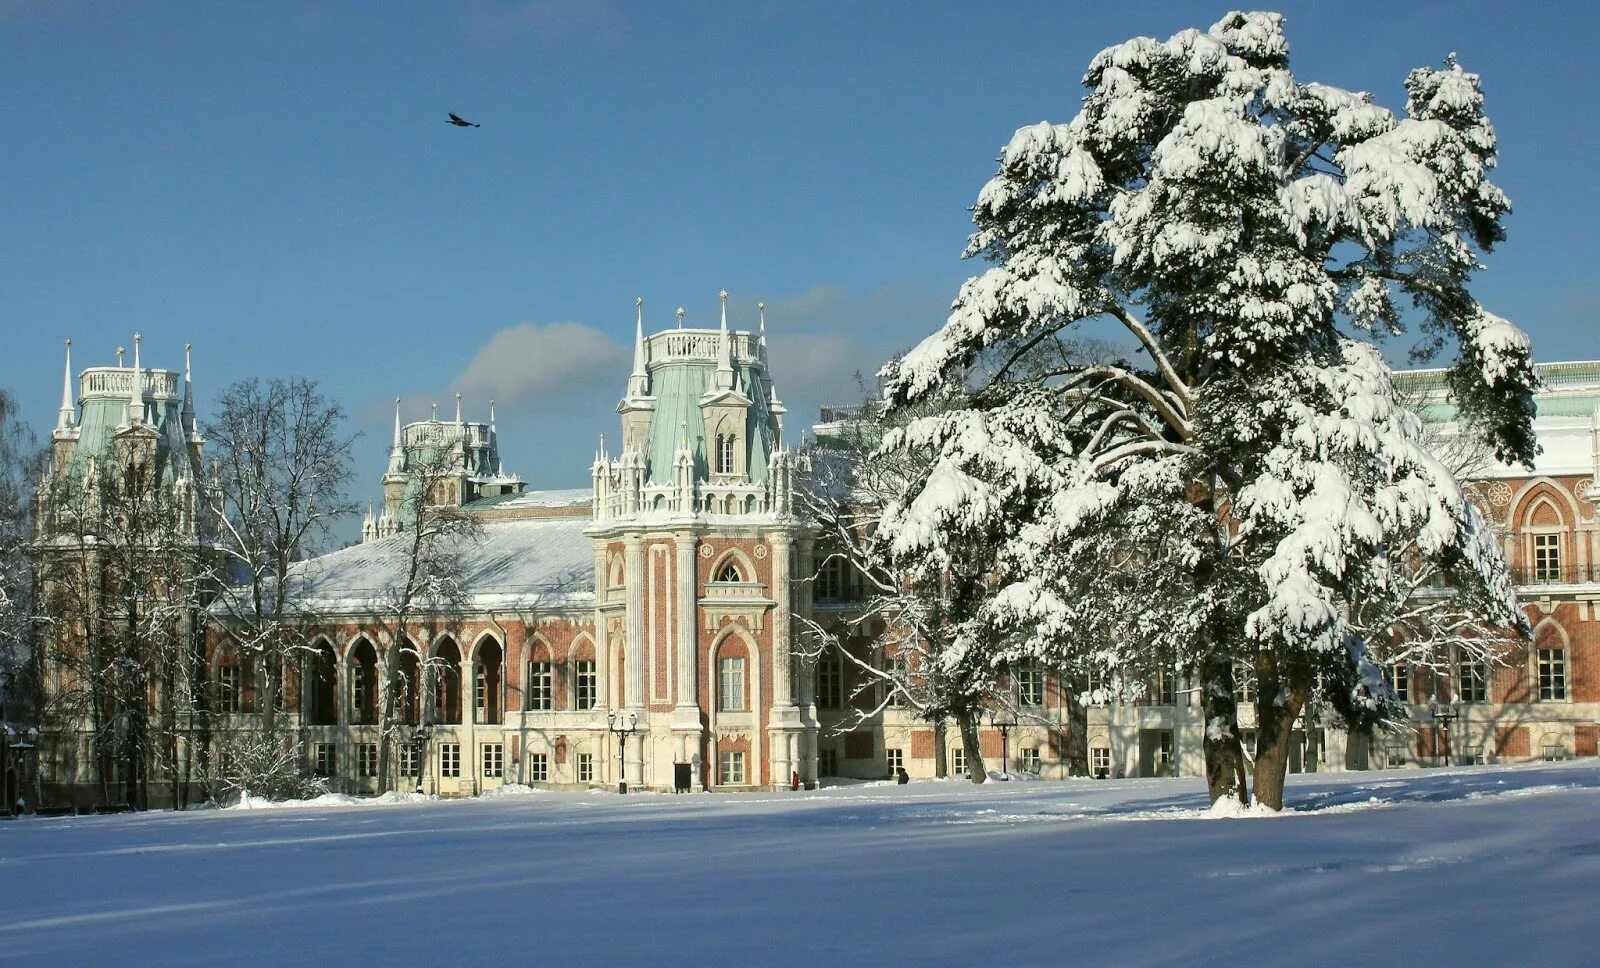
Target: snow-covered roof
515,564
1567,403
561,498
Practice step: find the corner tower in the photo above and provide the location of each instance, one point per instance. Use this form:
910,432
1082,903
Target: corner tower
695,546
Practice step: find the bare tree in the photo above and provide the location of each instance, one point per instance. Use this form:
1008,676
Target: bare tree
280,474
18,473
429,595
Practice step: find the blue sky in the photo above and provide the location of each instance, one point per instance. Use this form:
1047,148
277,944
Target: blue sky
277,184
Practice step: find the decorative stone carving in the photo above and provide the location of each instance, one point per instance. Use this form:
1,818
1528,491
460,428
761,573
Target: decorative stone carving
1583,487
706,550
760,552
1500,494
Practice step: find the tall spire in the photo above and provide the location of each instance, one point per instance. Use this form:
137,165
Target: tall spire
397,454
69,413
761,308
188,391
491,417
639,380
136,391
458,409
724,374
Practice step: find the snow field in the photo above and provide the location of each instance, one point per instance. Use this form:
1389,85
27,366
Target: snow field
1487,865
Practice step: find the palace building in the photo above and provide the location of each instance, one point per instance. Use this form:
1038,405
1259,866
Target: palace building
645,630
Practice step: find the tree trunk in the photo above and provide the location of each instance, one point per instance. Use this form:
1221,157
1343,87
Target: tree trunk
1225,772
1077,735
967,722
941,763
1278,705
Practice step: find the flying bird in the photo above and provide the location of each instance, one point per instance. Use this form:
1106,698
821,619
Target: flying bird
461,122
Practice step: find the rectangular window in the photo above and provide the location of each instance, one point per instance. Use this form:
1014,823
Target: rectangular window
1553,751
827,762
585,767
1100,761
494,760
897,761
408,759
585,685
1030,686
1244,683
899,676
724,453
1164,753
228,689
1247,741
480,692
1400,681
830,682
1552,674
1166,688
450,760
731,769
1095,686
541,694
1472,679
730,684
1031,762
539,767
1472,755
1547,557
367,760
958,760
358,692
1396,755
323,760
830,580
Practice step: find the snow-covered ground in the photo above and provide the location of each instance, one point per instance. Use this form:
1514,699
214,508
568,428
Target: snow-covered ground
1496,865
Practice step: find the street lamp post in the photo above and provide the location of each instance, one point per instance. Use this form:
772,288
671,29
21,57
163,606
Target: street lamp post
1002,720
623,723
419,742
1443,715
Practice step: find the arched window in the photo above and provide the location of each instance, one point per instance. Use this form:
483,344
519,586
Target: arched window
724,453
729,572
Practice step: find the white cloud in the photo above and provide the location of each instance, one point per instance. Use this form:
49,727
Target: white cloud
534,361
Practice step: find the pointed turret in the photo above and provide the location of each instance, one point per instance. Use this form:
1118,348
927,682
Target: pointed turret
397,453
67,418
135,414
761,309
639,380
724,376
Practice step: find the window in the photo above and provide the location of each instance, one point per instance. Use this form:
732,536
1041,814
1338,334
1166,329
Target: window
897,761
539,767
830,681
1247,741
958,760
1472,679
1472,755
1400,681
1100,761
409,759
1031,762
731,769
827,762
1095,685
228,689
1167,688
730,684
323,762
480,691
1030,686
1164,753
585,767
899,670
1395,755
450,760
1547,557
1553,750
724,453
358,692
1552,674
367,760
729,573
540,693
834,581
494,760
1244,683
585,686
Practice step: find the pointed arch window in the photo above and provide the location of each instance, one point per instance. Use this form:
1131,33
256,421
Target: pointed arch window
724,454
729,572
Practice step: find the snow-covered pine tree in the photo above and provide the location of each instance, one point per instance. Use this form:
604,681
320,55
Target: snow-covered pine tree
1236,491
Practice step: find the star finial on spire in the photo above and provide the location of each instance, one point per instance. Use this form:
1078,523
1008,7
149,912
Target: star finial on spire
680,317
120,351
435,406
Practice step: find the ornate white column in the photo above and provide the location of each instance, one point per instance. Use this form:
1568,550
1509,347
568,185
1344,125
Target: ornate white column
686,636
805,667
633,554
785,722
